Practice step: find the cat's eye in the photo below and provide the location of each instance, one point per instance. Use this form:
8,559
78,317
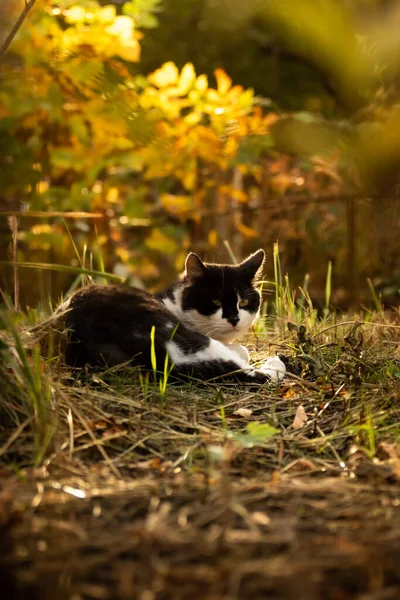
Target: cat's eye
217,303
243,303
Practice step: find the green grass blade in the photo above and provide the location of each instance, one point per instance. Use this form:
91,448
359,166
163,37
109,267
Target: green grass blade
63,269
375,297
328,288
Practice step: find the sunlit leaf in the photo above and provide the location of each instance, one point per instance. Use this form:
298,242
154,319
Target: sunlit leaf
164,76
248,232
213,237
201,83
177,205
224,82
106,14
161,242
186,78
112,195
256,433
75,14
121,27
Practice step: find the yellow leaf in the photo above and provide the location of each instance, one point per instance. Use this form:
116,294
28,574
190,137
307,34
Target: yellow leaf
246,231
164,76
122,27
189,179
177,205
224,82
75,14
239,195
130,51
212,96
41,228
112,195
159,241
42,187
122,253
213,238
187,78
193,118
201,83
106,14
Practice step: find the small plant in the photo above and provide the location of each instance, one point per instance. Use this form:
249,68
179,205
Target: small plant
167,368
256,434
32,385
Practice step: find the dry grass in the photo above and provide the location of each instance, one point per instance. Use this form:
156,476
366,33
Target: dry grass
111,491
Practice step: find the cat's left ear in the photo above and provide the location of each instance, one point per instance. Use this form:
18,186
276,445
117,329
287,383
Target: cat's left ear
194,267
252,267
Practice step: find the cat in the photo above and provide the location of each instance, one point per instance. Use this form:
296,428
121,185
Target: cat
194,323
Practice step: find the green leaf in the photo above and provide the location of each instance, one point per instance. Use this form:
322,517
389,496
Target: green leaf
256,434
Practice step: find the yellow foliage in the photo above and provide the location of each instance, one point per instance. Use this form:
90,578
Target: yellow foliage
186,79
213,238
157,240
76,14
201,83
248,232
112,195
165,75
193,137
224,82
239,195
176,205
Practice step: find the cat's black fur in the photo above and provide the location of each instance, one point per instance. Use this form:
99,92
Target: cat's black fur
110,325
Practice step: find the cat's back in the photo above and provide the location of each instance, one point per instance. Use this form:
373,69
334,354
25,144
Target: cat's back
112,323
116,300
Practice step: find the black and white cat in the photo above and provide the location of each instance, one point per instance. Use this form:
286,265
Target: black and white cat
194,322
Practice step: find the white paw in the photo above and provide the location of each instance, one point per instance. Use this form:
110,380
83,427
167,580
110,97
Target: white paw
240,350
274,368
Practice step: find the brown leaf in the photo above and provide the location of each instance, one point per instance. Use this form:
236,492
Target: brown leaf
300,417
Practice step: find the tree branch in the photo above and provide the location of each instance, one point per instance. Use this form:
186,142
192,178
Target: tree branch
11,35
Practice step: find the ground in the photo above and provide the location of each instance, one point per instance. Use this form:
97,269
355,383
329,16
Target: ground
209,491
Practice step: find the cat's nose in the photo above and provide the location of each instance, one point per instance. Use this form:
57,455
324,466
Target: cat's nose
233,321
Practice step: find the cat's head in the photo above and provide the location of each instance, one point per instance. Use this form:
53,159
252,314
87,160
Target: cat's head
221,301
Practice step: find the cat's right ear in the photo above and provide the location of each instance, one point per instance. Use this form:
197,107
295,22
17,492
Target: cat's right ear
194,267
252,266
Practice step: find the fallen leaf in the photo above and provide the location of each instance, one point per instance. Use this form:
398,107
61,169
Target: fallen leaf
300,417
260,518
244,412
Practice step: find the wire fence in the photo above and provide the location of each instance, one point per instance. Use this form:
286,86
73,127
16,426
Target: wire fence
358,234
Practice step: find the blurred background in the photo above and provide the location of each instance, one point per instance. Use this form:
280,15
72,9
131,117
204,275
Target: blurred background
178,124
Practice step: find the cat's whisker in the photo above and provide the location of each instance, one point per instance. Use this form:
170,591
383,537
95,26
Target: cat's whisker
211,331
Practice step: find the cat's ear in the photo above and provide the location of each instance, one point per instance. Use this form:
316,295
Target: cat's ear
252,266
194,267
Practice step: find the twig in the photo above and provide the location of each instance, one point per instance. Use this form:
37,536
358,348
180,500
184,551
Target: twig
13,222
11,35
14,436
51,213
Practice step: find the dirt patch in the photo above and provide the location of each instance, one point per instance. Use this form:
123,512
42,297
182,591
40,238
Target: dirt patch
175,535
